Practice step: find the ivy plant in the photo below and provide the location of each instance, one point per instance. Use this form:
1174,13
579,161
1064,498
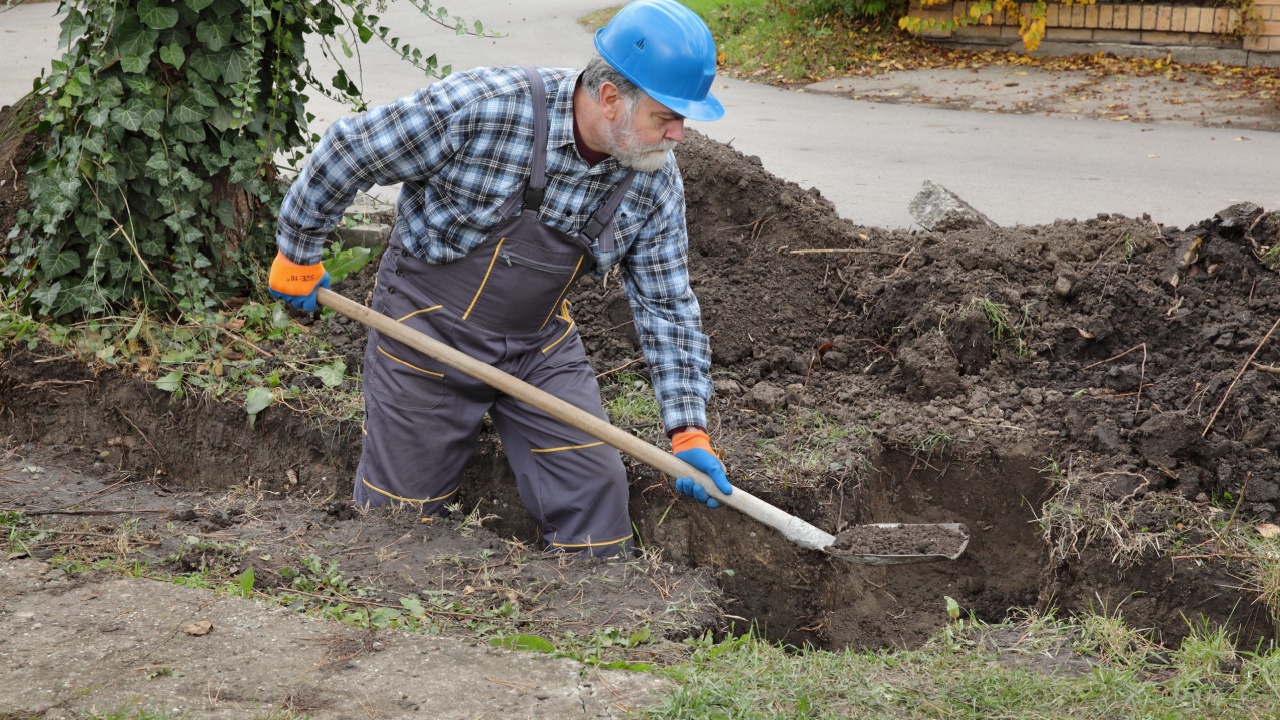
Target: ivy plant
166,123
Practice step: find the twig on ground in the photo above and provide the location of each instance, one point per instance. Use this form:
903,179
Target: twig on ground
31,513
144,435
1243,367
846,251
261,351
620,368
1143,346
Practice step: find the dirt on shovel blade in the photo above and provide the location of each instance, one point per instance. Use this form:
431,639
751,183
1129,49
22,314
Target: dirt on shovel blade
900,540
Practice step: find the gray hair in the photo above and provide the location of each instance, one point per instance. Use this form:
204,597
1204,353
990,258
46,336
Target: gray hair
598,72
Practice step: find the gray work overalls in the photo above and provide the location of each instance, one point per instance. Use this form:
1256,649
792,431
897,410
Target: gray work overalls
504,305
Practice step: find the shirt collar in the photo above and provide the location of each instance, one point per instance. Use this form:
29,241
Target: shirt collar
560,126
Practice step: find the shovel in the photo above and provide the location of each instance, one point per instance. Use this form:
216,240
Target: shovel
955,535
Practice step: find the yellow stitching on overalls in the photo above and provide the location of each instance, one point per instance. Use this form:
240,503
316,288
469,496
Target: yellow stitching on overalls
560,339
555,305
410,365
568,447
376,489
480,289
419,312
594,545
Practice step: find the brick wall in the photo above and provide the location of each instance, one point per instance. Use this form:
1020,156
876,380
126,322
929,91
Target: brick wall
1128,24
1266,36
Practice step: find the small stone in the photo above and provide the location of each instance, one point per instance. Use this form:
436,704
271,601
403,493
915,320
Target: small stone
1062,287
835,360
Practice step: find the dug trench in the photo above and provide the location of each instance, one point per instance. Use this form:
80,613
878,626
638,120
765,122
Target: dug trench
1088,397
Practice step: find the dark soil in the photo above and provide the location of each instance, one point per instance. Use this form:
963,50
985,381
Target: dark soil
1082,396
902,540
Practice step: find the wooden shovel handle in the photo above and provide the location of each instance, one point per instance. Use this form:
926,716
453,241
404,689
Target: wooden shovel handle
791,527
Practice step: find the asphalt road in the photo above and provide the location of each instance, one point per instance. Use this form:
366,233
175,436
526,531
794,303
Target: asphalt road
869,158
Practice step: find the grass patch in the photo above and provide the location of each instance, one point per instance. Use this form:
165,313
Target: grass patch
813,446
1035,667
630,403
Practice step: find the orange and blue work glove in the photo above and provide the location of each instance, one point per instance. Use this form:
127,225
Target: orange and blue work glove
692,445
296,284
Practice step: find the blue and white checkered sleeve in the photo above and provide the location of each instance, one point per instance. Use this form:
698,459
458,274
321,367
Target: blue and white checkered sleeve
405,140
667,316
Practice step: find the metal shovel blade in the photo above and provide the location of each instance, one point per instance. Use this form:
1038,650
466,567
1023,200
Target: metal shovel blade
882,543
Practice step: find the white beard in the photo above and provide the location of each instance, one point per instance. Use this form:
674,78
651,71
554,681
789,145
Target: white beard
630,154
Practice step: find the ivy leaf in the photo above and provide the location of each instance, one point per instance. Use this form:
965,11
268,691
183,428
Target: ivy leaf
202,92
129,115
208,64
188,110
173,54
331,375
214,33
136,45
257,400
187,132
225,214
55,264
97,116
47,295
235,68
198,5
133,158
171,382
156,17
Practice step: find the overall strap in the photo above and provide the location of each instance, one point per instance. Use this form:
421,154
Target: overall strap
603,217
537,187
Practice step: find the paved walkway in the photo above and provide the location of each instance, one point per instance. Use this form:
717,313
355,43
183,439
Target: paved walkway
870,158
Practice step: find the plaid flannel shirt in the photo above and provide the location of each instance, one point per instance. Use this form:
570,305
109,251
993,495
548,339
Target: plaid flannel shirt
462,147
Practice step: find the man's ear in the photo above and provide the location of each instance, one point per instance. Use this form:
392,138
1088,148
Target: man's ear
610,101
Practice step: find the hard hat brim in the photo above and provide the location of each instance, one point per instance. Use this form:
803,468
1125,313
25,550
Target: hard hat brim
704,110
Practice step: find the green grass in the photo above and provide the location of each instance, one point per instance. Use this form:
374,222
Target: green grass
1038,667
814,444
629,402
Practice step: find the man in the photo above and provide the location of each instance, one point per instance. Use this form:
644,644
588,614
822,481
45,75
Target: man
517,181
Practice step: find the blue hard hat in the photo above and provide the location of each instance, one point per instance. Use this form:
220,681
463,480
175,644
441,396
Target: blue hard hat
666,50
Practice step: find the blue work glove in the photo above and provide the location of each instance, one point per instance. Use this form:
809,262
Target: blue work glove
694,447
296,284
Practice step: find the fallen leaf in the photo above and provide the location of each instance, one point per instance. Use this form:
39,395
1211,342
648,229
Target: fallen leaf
1267,530
1153,155
1242,139
198,628
1085,334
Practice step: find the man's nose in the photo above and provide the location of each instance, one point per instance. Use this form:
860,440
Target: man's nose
675,130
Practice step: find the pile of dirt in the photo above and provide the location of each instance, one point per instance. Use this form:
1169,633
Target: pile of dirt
1074,393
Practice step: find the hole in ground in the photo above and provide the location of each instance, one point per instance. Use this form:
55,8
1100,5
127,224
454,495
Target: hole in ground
801,597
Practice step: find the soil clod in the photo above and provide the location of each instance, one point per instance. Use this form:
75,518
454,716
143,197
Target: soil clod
901,540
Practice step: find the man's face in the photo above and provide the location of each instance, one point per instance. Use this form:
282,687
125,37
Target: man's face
641,138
